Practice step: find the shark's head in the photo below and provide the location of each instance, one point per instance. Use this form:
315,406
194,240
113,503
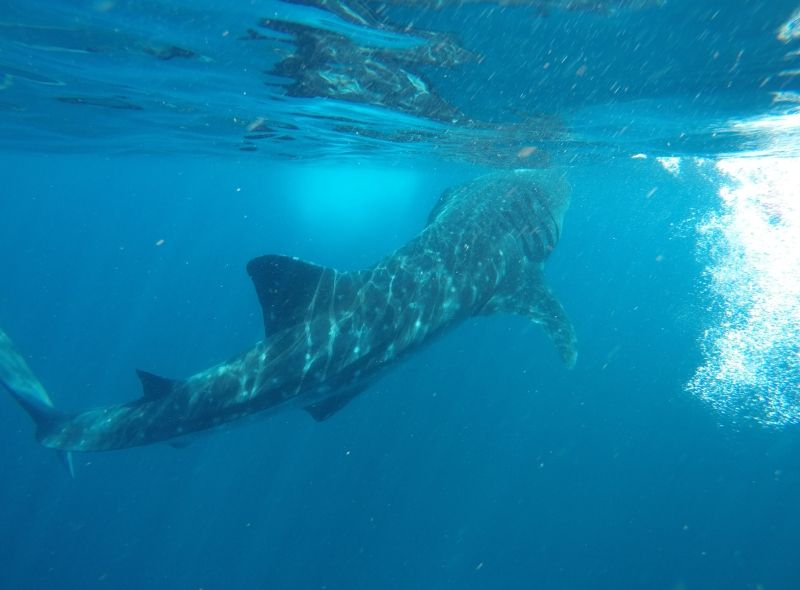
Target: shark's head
547,194
549,187
525,204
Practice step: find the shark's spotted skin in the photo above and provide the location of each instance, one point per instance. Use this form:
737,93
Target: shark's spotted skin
331,333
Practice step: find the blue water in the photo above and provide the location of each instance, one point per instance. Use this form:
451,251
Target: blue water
480,462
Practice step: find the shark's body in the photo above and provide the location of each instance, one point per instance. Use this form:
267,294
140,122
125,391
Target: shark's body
331,333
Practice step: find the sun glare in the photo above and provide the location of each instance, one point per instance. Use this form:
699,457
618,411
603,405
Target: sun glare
352,202
751,349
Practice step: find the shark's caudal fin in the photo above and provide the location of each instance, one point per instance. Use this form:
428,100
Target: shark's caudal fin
22,384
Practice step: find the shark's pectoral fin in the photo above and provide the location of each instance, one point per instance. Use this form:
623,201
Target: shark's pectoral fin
534,300
155,386
290,289
328,407
548,311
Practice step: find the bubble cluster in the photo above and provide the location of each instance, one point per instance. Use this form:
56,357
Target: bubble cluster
751,347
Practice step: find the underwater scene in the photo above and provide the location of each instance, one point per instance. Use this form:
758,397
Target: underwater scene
400,294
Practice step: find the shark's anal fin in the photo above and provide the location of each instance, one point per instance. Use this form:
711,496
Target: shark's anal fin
154,386
536,301
66,460
326,408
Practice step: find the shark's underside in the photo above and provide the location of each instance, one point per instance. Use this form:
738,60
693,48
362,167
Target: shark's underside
330,333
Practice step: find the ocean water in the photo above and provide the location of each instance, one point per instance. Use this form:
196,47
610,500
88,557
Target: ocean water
150,149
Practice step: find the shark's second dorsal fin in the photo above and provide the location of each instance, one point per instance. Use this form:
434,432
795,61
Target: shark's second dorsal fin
155,386
289,288
535,301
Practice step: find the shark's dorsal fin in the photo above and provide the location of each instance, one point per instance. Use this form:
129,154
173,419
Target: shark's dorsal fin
155,386
536,301
285,287
328,407
289,289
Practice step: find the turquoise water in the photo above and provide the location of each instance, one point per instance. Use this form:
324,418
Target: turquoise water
150,149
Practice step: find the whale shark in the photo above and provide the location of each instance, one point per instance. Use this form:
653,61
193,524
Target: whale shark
331,333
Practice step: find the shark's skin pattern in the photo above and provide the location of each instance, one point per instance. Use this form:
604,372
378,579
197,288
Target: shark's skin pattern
331,333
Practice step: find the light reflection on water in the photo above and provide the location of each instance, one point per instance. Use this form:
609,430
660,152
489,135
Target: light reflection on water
751,348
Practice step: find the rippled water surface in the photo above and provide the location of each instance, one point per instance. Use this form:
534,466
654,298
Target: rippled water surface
499,84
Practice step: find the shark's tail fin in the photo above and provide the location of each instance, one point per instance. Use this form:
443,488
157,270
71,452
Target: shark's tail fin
25,388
